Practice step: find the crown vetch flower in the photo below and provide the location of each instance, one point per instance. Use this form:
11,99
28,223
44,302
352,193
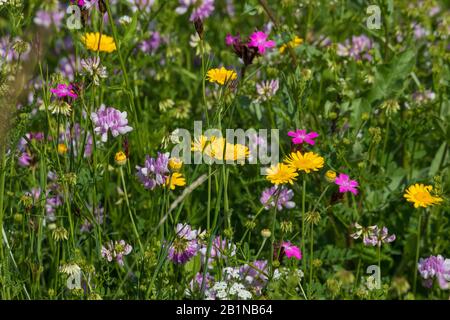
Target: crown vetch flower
267,89
185,245
300,136
116,250
435,267
420,195
258,39
269,196
64,90
109,119
154,172
291,251
377,236
202,9
346,185
281,174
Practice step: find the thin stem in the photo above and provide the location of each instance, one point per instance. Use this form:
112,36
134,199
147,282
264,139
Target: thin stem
419,223
303,213
311,257
129,210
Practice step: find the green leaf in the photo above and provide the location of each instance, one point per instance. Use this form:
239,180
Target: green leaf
436,163
389,77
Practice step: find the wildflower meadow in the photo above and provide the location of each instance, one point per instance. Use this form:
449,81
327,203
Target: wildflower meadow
224,150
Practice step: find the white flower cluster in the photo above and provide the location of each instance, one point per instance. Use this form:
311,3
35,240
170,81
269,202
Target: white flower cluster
16,3
282,273
230,289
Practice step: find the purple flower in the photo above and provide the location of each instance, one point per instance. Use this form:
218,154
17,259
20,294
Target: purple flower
185,246
259,40
25,159
269,196
154,172
196,284
7,51
221,248
419,31
110,119
255,275
372,235
73,138
67,66
48,18
201,9
152,44
435,267
358,49
424,97
141,5
99,218
300,136
231,40
116,251
64,90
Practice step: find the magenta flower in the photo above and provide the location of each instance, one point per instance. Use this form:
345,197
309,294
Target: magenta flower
346,185
231,40
259,40
291,250
109,119
300,136
64,90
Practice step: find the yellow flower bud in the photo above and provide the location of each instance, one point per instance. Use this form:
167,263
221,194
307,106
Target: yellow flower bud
175,164
120,158
62,149
330,176
266,233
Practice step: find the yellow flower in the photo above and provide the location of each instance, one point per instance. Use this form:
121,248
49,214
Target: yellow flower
176,180
236,152
120,158
420,195
221,76
218,148
292,44
281,174
330,176
307,162
175,164
97,42
62,148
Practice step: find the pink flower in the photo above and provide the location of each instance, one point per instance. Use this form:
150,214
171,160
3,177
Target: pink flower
291,250
231,40
259,40
300,136
346,185
63,90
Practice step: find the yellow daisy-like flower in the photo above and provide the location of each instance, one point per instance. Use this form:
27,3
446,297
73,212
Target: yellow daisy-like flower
97,42
281,174
176,180
307,162
293,44
236,152
221,76
420,195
